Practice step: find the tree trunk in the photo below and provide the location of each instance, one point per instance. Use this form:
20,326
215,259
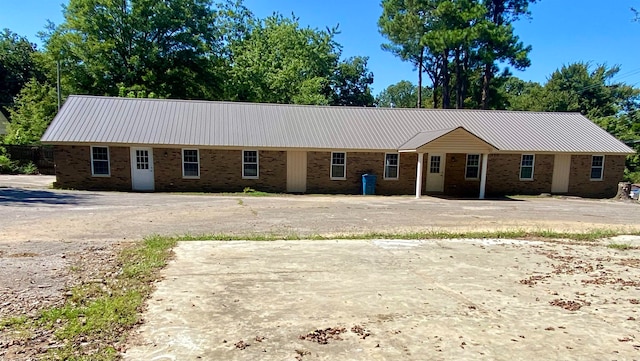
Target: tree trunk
486,79
446,80
465,68
459,98
624,190
420,66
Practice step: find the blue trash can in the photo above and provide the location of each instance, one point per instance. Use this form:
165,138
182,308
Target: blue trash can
369,184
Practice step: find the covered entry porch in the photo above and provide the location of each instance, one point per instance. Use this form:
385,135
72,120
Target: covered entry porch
449,149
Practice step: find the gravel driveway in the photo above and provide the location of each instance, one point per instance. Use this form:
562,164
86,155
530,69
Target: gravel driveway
54,215
50,239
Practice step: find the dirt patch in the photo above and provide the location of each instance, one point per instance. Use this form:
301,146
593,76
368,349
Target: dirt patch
38,275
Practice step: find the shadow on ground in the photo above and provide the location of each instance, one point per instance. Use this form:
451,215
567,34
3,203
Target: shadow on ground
12,196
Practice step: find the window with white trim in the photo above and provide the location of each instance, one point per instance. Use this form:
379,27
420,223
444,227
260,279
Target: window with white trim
190,163
391,163
250,164
339,165
472,169
100,162
597,167
526,166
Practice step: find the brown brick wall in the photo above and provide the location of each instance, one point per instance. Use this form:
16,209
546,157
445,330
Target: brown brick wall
580,183
503,175
319,173
455,183
73,169
220,171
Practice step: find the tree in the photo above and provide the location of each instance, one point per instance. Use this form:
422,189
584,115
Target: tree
351,83
499,42
169,47
404,23
400,95
454,33
17,67
521,95
281,62
35,107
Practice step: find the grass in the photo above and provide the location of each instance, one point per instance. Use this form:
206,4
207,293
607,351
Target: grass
588,236
95,319
620,246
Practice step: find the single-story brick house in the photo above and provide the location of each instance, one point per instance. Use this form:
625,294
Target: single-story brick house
105,143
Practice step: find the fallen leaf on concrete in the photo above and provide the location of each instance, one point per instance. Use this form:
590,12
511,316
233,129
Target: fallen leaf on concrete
568,304
241,345
323,336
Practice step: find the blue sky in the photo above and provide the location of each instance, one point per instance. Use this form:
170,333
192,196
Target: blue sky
560,31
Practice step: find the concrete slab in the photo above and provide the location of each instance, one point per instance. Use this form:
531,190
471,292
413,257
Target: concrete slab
418,300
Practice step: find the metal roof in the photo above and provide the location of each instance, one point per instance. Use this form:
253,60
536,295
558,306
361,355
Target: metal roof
423,138
106,120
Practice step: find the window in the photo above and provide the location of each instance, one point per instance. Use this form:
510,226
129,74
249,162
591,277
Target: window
338,165
597,167
100,161
142,159
250,164
434,164
526,167
472,170
190,163
391,161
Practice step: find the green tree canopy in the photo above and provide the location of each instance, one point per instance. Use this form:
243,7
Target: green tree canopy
351,83
35,107
171,48
400,95
17,66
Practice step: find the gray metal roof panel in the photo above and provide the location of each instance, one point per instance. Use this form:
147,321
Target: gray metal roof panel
89,119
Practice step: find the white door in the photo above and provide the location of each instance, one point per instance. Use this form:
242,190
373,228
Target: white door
561,171
142,169
435,173
296,172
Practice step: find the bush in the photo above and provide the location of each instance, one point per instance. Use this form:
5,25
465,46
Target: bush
633,177
6,164
28,168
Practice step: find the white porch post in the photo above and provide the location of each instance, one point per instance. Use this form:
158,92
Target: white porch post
483,175
419,176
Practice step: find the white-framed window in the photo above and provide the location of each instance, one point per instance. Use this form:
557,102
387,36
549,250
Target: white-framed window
250,164
100,166
391,165
526,166
434,164
597,167
472,169
338,165
190,163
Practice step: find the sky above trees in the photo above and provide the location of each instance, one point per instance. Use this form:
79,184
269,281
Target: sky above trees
560,33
